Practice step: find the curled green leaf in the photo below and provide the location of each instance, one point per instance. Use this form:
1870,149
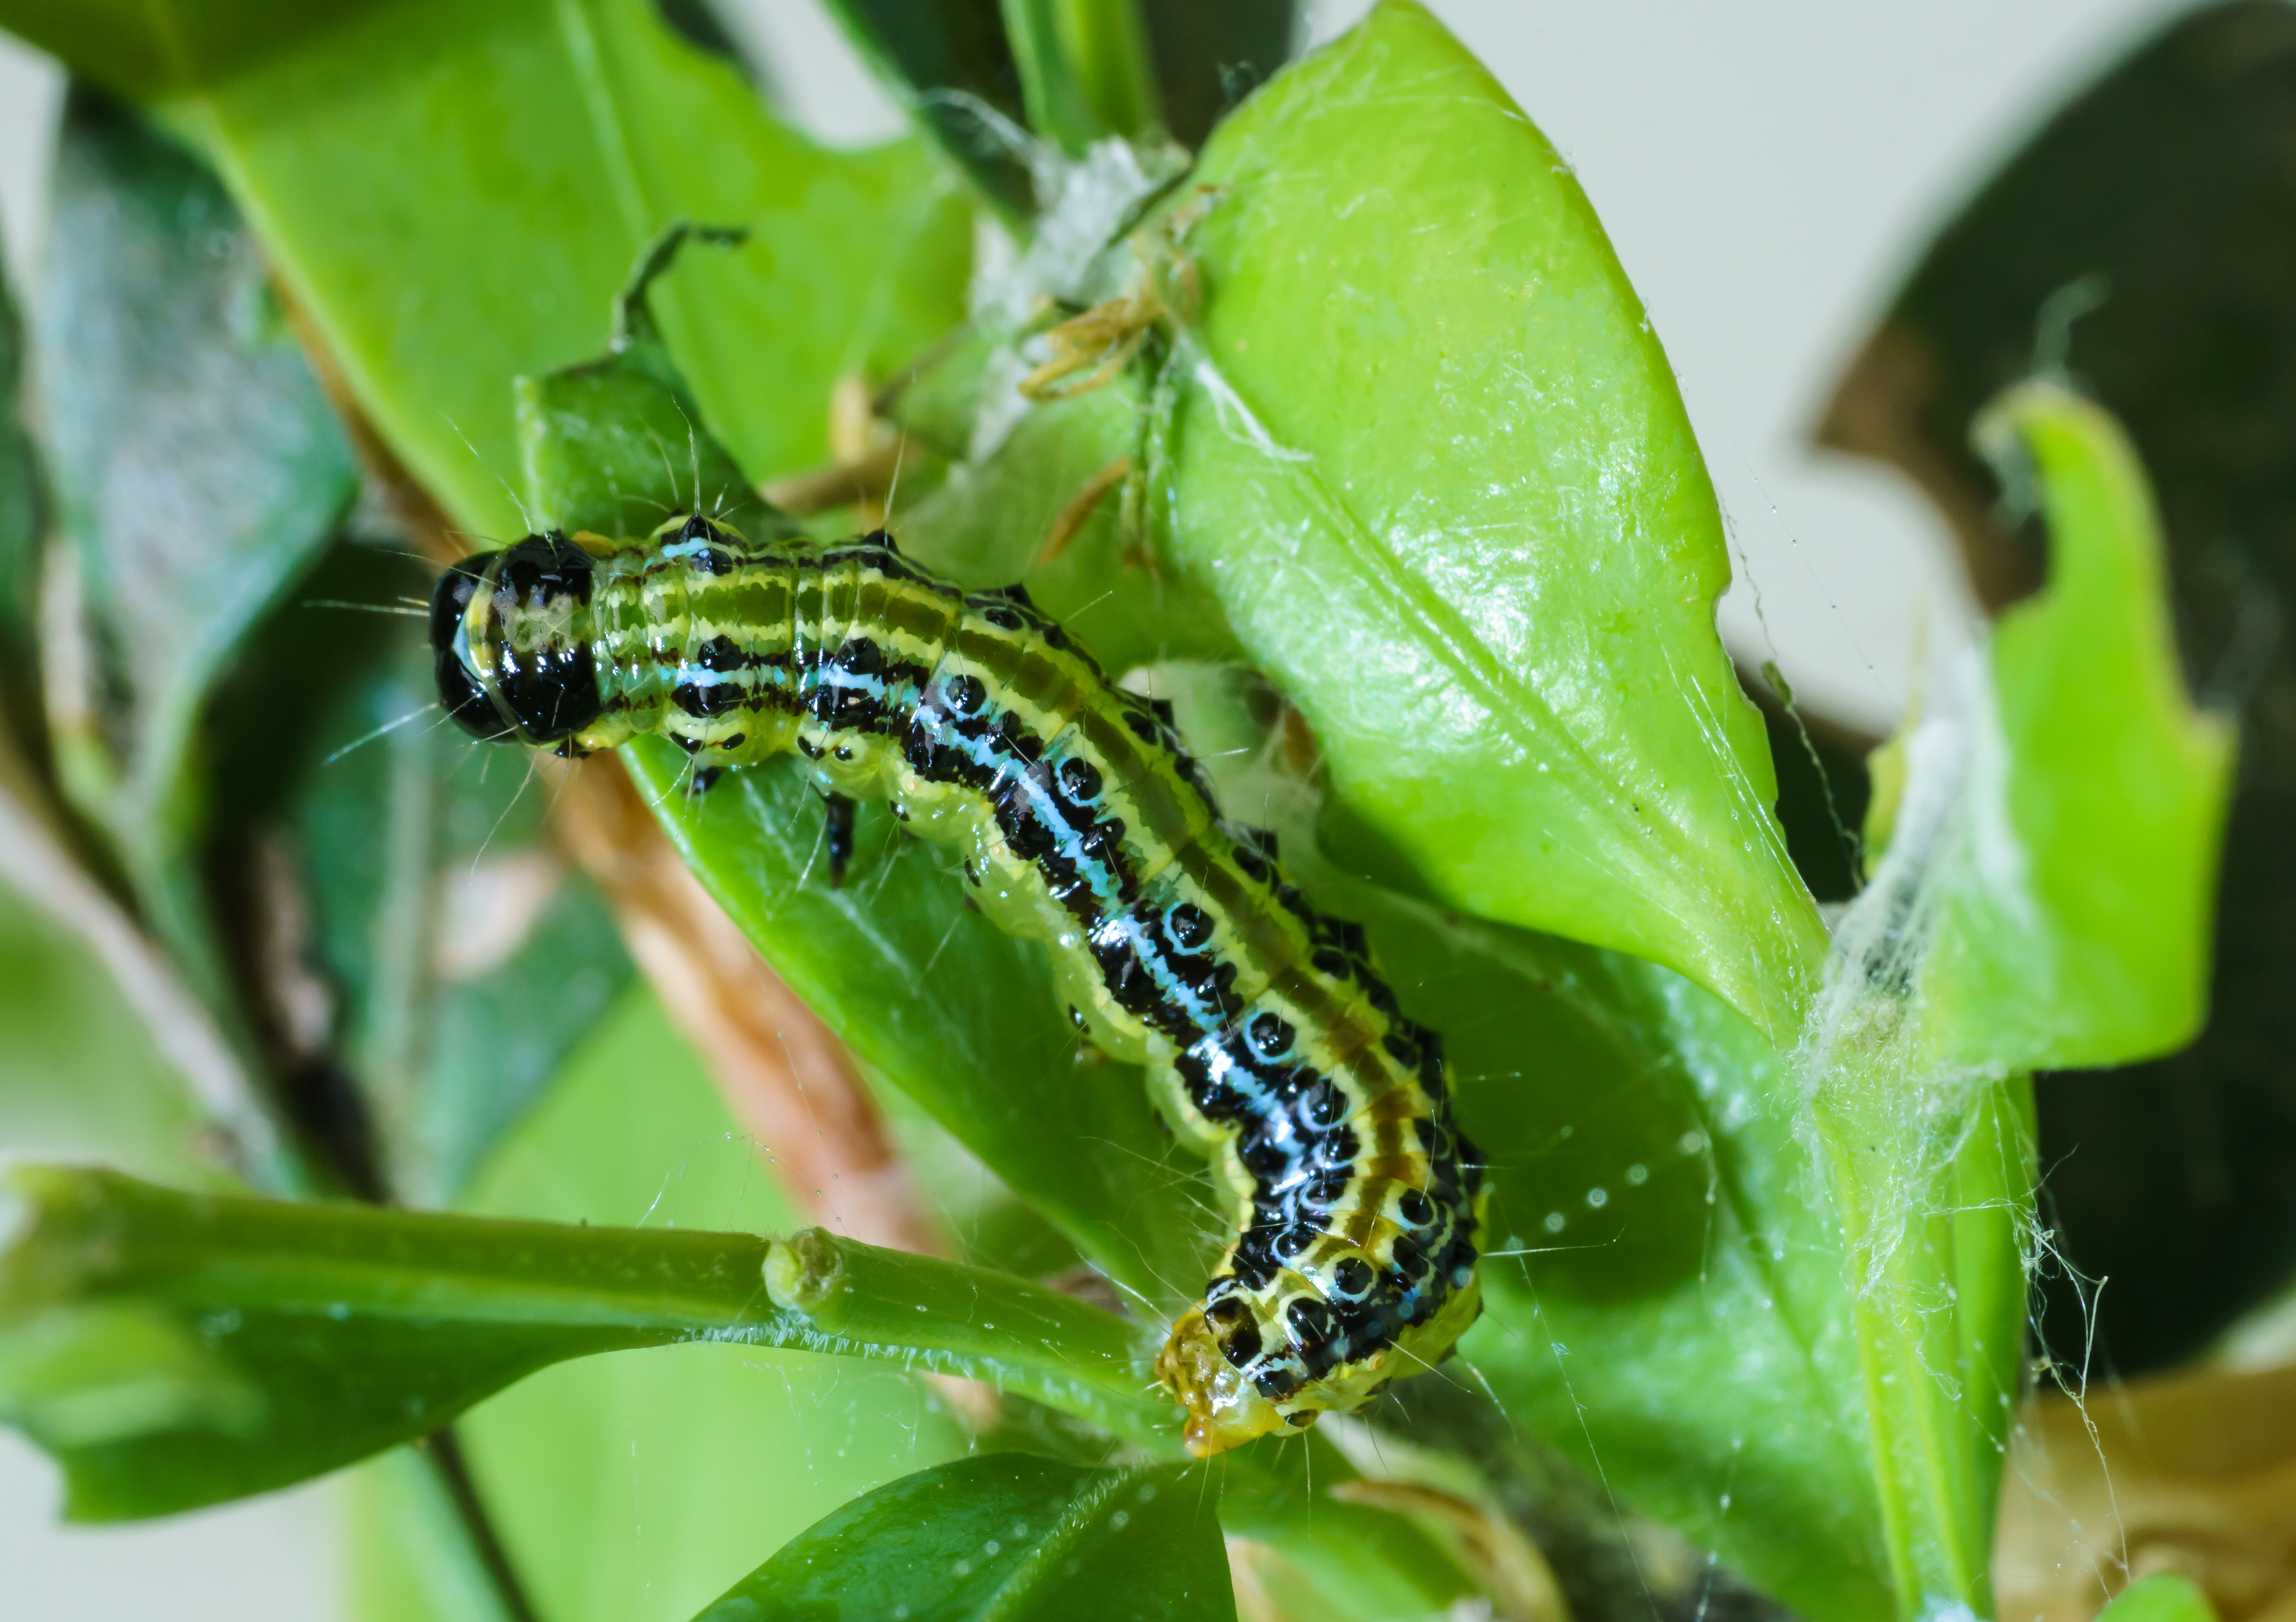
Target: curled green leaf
2076,928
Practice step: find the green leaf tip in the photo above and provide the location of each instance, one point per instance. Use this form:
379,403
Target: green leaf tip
2079,933
2165,1596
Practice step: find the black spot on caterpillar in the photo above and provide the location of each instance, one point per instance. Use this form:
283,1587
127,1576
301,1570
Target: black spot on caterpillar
1083,821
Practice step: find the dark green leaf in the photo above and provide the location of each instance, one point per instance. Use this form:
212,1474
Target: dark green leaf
20,531
1002,1535
1209,55
422,956
950,62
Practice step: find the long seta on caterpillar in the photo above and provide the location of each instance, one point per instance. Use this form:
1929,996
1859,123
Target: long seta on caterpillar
1270,1039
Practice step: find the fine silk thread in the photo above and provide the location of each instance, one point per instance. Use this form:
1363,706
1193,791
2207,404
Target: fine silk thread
1273,1044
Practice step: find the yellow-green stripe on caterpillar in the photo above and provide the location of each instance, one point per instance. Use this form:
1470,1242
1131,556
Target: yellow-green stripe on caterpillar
1084,822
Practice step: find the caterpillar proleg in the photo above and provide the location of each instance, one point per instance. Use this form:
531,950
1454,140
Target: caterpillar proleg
1084,822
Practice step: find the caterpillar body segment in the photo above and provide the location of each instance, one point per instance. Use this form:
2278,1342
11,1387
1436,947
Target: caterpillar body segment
1271,1041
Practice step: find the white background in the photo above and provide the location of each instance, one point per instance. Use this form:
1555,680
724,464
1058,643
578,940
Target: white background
1766,170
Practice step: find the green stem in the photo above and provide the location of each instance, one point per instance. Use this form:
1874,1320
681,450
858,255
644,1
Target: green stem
1938,1280
1084,69
173,1349
1020,1336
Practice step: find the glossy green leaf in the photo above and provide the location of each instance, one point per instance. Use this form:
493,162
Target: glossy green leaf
1002,1535
608,444
176,1349
511,158
198,471
2078,929
1665,1307
1422,398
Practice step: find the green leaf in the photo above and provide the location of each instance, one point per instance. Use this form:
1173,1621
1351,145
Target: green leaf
511,158
2165,1596
83,1077
1664,1303
938,1001
2046,897
1002,1535
198,471
2076,925
603,445
1429,458
430,955
140,50
1664,1306
144,1317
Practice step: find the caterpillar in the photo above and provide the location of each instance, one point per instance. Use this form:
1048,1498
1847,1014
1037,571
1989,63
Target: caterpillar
1271,1042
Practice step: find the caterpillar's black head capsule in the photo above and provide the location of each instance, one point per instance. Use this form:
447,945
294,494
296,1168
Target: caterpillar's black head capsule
510,637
